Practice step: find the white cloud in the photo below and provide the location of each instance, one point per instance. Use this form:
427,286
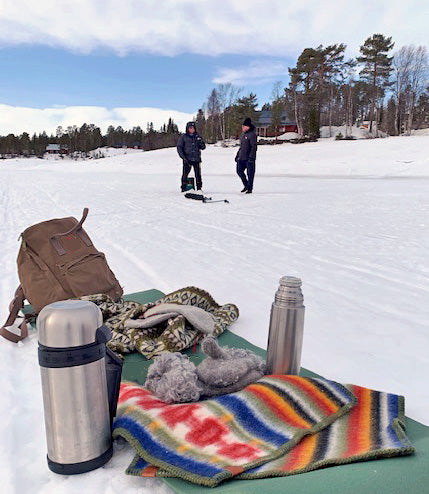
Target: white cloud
16,119
256,72
168,27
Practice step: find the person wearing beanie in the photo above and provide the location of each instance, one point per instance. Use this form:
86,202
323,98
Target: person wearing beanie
189,147
246,155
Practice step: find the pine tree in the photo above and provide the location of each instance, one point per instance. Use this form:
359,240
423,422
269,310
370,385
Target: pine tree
43,142
24,144
171,127
389,120
306,79
314,86
422,110
200,122
213,113
110,136
333,71
34,144
377,66
243,108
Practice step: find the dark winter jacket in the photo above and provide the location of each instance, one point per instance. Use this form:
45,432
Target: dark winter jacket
248,145
189,146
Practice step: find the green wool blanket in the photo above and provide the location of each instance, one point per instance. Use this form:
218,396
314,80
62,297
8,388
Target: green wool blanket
280,425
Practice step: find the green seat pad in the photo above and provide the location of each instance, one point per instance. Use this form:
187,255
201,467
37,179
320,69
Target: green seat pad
409,474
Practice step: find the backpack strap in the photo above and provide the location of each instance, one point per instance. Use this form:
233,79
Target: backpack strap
55,239
15,306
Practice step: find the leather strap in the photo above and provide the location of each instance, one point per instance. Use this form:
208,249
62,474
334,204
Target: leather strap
14,307
76,227
55,239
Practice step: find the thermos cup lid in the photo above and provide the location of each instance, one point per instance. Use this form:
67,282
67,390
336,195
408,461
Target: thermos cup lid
289,292
68,323
291,281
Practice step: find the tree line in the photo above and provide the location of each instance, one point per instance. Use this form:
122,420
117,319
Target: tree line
389,92
89,137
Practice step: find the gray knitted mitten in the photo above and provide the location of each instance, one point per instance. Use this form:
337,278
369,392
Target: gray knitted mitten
174,379
226,370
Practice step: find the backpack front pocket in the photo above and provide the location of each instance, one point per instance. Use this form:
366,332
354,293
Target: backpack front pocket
39,284
89,275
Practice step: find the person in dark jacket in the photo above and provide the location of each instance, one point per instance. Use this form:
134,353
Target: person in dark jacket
189,148
246,155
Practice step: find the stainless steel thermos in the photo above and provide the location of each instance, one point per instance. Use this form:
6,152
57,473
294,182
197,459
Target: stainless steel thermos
80,385
286,328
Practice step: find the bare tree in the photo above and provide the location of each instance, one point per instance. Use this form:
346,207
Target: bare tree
277,106
349,75
402,62
411,78
418,79
227,95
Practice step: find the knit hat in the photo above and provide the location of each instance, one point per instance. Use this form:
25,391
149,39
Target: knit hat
189,125
247,122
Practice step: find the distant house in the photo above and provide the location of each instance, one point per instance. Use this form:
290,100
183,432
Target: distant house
264,126
57,149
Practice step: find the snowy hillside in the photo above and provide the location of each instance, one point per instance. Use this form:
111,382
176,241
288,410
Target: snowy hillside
348,217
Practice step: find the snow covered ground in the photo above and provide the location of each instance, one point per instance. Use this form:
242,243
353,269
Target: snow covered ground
348,217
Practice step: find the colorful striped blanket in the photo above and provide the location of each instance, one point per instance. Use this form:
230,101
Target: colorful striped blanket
281,425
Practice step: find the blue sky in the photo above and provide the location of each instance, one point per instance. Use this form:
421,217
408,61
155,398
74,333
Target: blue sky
126,62
44,76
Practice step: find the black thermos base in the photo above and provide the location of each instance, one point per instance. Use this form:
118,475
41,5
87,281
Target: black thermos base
82,467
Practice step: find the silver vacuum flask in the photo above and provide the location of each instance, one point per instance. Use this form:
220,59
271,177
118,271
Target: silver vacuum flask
72,358
286,328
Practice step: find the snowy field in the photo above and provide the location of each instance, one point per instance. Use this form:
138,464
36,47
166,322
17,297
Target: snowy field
350,218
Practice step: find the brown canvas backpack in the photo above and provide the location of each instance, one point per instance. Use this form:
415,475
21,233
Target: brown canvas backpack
57,261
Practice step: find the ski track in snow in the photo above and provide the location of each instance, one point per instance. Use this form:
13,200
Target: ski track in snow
242,235
350,219
152,275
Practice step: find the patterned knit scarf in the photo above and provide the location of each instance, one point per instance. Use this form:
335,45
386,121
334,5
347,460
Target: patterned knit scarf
279,426
174,335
